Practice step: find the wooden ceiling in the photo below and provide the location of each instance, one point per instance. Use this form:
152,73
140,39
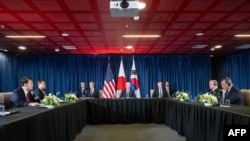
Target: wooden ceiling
92,29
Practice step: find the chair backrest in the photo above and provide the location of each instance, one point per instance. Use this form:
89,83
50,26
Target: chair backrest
246,96
1,99
100,93
5,99
151,92
118,94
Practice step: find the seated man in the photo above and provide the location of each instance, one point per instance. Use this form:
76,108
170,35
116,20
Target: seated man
82,91
92,92
214,90
128,92
169,89
40,92
160,92
232,93
22,96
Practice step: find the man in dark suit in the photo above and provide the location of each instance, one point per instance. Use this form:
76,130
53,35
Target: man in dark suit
214,90
128,92
92,92
82,91
169,89
22,97
40,91
160,92
232,93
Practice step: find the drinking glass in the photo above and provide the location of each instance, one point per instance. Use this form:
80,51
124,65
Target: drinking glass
221,101
227,103
2,110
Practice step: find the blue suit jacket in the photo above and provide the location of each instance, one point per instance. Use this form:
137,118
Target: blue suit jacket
18,98
235,96
95,93
79,92
39,95
131,93
164,92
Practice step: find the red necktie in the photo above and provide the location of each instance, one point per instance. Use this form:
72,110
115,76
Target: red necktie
28,98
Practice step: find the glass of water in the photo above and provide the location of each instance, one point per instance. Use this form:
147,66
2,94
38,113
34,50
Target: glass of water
227,103
2,110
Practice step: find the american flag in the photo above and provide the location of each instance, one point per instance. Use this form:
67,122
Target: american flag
109,84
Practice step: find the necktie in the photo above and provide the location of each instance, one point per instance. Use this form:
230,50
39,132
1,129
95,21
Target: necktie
160,93
92,92
28,98
82,91
168,91
127,94
226,94
44,93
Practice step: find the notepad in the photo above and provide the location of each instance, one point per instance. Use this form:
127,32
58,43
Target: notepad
5,113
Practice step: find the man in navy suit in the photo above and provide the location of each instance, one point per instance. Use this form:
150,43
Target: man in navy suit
160,92
169,89
40,91
128,92
82,91
92,92
232,93
22,97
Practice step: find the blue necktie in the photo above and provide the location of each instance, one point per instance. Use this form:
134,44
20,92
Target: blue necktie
160,93
226,94
127,94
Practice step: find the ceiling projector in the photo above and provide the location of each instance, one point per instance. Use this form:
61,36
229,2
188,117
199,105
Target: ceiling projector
124,8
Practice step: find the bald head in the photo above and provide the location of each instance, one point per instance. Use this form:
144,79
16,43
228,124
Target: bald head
127,85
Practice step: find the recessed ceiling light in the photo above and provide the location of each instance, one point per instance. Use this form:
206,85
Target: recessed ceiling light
65,34
69,47
242,35
212,49
199,34
244,46
2,26
57,50
141,36
211,55
22,47
218,46
141,5
136,18
129,47
5,50
199,46
25,36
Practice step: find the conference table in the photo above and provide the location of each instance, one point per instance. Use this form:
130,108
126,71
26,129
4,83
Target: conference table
41,124
199,123
63,123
